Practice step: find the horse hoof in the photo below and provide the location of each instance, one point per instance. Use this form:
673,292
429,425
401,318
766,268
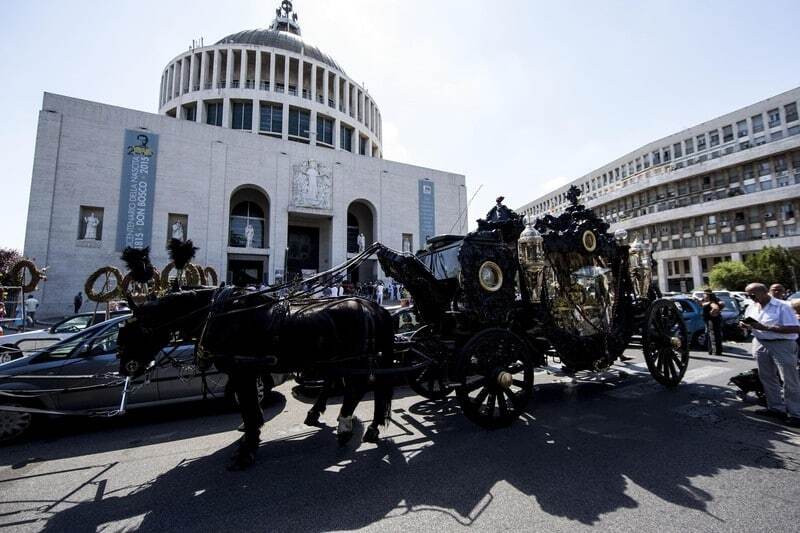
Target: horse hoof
344,438
371,435
312,419
242,461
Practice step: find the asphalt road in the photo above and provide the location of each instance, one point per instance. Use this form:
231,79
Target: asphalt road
616,452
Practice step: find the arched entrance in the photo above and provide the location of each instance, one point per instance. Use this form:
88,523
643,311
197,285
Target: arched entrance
248,237
361,232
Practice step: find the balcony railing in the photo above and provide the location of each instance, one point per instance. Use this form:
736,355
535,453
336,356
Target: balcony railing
264,86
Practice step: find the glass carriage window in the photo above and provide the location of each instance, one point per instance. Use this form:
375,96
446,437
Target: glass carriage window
242,116
247,222
271,118
299,121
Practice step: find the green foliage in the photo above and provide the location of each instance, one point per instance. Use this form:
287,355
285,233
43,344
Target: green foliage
730,275
774,264
8,257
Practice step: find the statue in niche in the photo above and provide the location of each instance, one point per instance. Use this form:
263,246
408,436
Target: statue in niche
249,233
362,242
177,231
90,233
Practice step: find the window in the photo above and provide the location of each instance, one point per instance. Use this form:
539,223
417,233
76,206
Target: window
774,117
676,150
689,144
741,127
177,227
345,138
247,224
776,136
90,223
727,134
271,120
701,142
299,121
656,157
214,114
791,112
190,112
713,137
324,130
242,115
758,123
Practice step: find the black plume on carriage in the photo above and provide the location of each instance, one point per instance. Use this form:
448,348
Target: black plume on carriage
181,252
501,218
577,230
138,262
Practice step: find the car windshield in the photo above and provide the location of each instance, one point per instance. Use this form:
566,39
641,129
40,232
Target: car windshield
73,325
684,306
730,303
66,347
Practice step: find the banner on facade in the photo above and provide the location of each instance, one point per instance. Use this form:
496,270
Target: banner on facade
427,211
137,192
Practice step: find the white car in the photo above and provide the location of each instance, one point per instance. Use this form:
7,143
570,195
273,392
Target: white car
21,344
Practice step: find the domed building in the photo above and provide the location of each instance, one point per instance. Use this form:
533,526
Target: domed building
264,153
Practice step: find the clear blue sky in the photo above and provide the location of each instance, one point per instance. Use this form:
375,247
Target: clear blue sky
518,95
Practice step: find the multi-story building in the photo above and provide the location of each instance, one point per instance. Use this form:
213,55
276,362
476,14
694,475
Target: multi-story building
714,192
264,153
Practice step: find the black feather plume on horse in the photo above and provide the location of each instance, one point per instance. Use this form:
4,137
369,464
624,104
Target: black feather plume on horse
181,252
138,262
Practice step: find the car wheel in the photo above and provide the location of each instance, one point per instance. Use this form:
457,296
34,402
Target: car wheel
14,425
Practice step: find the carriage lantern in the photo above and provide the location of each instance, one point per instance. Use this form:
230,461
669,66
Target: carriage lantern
639,266
531,256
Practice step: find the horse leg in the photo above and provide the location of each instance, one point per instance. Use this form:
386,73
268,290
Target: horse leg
381,413
353,392
244,385
312,417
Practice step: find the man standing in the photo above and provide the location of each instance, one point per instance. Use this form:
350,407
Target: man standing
31,305
77,302
379,292
776,290
775,328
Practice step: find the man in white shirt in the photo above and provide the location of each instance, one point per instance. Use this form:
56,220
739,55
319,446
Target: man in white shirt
31,305
775,329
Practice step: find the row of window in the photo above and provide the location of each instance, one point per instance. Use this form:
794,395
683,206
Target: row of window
271,122
361,107
724,138
766,221
751,177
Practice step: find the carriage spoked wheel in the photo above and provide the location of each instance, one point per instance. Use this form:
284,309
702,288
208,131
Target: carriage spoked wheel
495,374
665,343
431,381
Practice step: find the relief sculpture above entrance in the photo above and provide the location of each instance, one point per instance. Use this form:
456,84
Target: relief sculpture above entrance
312,185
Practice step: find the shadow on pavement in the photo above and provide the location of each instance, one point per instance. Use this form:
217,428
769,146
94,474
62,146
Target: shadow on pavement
570,459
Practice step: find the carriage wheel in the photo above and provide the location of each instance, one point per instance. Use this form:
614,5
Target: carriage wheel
665,343
495,374
431,381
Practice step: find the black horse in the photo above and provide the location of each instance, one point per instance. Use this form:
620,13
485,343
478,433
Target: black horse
246,334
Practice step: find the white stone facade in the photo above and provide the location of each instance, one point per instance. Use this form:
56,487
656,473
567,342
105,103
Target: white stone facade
714,192
77,170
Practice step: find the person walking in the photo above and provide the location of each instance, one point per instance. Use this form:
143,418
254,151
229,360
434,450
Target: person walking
77,302
31,305
775,330
712,316
379,293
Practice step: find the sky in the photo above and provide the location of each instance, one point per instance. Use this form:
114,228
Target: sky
520,96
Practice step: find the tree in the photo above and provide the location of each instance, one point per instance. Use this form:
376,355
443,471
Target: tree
8,257
731,275
774,264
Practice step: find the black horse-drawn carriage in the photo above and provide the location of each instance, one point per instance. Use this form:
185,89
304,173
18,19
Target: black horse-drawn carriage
499,301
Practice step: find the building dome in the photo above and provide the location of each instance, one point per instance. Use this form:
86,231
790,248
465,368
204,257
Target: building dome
283,40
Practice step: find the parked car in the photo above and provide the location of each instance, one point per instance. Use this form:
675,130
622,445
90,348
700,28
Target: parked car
19,344
794,296
692,314
93,352
731,314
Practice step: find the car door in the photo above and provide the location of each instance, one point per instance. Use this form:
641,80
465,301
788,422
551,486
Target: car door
178,379
98,356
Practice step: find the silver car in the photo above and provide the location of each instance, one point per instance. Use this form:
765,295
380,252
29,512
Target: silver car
70,371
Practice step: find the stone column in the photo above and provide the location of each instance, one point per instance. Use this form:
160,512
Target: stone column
312,128
192,69
243,69
215,69
336,92
203,67
229,68
272,72
256,114
300,77
336,126
313,83
286,64
285,122
258,72
226,113
697,272
325,92
171,82
346,97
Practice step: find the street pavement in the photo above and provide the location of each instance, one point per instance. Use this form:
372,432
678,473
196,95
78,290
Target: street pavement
613,451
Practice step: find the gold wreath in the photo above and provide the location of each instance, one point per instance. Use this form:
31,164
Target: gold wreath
191,276
16,275
211,274
201,274
153,284
108,295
